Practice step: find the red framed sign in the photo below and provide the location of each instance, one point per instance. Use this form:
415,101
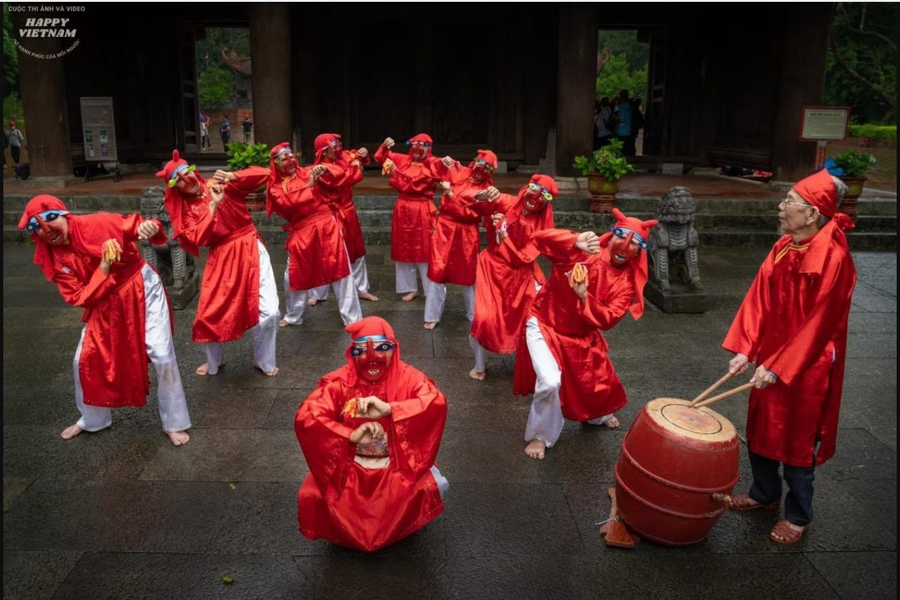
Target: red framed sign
824,123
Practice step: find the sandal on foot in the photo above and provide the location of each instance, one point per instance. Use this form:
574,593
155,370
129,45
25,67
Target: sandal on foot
743,502
784,534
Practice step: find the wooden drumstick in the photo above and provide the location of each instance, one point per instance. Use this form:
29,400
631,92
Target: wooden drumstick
736,390
711,389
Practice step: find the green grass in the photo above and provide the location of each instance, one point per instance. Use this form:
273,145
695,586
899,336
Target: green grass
874,132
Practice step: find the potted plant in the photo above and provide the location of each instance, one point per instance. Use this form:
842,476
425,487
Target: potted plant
242,155
851,168
604,170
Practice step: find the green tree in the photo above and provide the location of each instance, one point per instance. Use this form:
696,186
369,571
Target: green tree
622,64
215,87
10,54
862,60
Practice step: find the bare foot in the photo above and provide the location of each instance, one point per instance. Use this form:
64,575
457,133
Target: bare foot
271,373
284,323
369,297
69,432
312,302
179,438
203,370
410,296
535,449
430,325
479,375
612,423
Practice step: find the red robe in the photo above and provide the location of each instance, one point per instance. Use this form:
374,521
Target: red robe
113,362
316,242
794,322
590,387
506,272
455,243
353,506
338,188
229,292
414,212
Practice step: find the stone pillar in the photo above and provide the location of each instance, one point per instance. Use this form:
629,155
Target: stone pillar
43,84
575,84
270,53
804,50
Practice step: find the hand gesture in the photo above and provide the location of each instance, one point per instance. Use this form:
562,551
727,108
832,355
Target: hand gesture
738,364
373,407
216,194
588,242
499,222
579,287
147,229
445,186
112,253
362,153
367,433
448,161
763,377
388,143
224,176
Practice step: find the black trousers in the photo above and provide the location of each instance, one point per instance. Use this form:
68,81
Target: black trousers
16,153
766,487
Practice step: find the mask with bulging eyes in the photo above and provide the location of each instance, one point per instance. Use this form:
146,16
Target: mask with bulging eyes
625,245
373,356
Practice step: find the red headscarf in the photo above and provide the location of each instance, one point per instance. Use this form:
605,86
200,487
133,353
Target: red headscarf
274,176
546,215
425,139
820,191
173,197
371,326
87,233
322,141
639,272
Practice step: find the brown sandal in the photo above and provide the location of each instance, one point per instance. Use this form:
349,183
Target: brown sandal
743,502
784,534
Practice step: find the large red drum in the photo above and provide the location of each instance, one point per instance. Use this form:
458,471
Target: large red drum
674,458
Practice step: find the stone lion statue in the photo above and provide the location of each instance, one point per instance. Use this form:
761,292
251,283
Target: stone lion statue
675,242
174,265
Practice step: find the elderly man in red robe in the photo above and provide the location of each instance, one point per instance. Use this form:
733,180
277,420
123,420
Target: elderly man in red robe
415,176
238,290
455,243
793,326
317,253
563,356
339,190
508,276
94,262
370,433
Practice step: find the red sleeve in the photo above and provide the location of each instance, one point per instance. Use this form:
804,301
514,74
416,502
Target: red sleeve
607,312
325,440
382,154
248,180
810,340
558,245
418,426
749,324
77,293
196,230
130,225
515,257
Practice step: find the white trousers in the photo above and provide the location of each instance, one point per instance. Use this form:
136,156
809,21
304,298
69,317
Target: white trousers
435,293
173,410
442,483
545,420
360,279
469,300
265,331
344,289
480,354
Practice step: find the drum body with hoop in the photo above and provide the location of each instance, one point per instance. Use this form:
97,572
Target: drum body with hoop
673,459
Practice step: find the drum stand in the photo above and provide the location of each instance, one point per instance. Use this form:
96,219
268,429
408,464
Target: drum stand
614,531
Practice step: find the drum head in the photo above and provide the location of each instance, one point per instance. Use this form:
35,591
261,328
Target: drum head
674,415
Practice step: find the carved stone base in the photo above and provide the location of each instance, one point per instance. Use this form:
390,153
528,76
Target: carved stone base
180,298
602,203
679,298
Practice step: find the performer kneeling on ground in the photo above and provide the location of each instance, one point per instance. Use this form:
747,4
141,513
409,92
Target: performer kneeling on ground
238,290
562,355
317,254
94,262
793,325
370,433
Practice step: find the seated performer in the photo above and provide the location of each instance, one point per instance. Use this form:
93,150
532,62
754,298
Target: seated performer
94,262
562,355
238,290
455,243
508,276
317,253
415,176
370,433
793,325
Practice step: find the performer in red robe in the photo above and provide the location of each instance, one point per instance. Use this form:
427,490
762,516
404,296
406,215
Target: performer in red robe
455,243
793,325
94,262
370,433
317,253
238,290
508,276
339,190
415,176
562,355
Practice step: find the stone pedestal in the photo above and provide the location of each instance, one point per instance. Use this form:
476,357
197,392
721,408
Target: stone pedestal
176,267
679,298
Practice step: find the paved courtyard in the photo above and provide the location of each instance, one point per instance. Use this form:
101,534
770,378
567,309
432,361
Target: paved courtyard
124,514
